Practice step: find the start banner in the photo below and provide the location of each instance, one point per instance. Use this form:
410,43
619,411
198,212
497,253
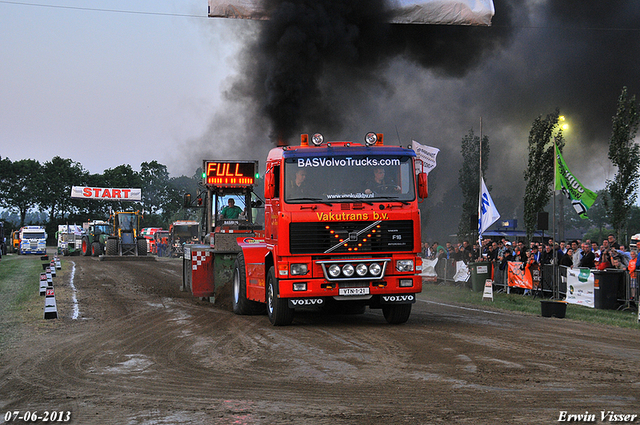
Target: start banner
81,192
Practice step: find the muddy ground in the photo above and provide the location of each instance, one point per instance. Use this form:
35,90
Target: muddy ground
142,352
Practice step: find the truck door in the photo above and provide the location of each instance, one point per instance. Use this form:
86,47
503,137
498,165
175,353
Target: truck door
272,207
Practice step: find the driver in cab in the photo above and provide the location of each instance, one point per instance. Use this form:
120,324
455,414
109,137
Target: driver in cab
297,187
231,211
380,184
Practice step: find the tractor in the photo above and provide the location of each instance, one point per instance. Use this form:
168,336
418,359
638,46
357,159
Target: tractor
126,238
94,237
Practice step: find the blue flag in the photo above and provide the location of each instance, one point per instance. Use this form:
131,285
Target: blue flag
487,212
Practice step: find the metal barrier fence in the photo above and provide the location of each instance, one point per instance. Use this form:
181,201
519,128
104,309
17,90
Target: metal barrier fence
446,270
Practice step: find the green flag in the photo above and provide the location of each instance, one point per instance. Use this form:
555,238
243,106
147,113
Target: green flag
581,197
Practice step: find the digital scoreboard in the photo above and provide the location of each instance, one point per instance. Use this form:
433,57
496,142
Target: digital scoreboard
230,173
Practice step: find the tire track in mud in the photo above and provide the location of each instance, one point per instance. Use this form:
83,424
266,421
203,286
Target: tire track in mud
151,351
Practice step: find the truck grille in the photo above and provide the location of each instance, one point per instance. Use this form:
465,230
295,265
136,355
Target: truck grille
316,238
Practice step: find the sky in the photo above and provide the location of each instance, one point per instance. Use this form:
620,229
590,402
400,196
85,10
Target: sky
112,82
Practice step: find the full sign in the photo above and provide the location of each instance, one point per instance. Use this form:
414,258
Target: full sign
230,173
106,194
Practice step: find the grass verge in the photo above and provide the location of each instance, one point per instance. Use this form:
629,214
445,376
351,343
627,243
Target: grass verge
529,305
19,288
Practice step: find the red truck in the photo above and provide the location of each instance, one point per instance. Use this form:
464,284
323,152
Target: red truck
341,229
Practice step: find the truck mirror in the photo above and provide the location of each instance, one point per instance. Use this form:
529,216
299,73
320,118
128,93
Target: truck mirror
187,200
269,185
423,190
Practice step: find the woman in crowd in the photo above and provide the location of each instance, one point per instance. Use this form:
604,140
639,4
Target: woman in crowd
567,259
605,260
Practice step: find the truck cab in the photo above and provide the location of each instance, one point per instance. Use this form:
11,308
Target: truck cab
342,227
33,240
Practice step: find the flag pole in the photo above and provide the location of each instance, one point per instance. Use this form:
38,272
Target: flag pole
555,284
480,192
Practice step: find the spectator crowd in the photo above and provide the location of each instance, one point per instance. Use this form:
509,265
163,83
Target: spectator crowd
574,254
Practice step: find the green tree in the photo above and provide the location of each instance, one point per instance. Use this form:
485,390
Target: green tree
539,174
624,153
22,182
59,175
469,181
598,216
155,186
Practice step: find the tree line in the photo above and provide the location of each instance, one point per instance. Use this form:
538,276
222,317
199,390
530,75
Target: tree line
27,185
614,209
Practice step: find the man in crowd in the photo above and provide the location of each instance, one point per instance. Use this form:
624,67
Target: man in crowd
547,255
588,257
596,251
577,253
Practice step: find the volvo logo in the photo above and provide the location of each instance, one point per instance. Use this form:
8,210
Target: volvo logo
409,298
297,302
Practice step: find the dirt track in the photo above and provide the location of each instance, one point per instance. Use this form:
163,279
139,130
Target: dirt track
142,352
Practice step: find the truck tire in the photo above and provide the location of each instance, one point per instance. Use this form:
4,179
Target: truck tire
242,305
142,247
95,249
278,309
112,247
86,247
396,314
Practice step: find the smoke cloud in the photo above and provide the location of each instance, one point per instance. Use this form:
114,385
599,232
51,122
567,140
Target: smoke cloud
336,67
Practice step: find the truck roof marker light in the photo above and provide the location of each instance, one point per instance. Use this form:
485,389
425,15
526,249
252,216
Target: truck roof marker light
317,139
370,139
304,140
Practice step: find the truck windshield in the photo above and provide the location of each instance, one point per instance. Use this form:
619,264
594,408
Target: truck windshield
349,179
186,231
33,235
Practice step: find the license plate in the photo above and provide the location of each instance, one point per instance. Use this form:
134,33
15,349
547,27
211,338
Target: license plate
354,291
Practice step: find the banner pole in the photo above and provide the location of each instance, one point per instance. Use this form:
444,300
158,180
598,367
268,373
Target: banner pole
555,284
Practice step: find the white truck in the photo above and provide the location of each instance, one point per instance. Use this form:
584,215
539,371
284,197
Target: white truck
69,238
33,240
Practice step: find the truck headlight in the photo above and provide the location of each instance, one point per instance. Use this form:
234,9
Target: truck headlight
362,269
404,265
348,270
298,269
375,269
334,270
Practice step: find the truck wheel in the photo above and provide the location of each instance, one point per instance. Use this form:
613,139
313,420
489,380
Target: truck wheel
142,247
277,308
95,249
112,247
242,305
396,314
86,247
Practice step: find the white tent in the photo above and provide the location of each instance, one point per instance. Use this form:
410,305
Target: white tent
435,12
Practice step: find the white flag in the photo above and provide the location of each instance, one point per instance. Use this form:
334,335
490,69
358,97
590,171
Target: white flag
487,212
426,154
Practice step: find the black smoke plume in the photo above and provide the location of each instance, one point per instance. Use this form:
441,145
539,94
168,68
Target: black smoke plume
313,59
